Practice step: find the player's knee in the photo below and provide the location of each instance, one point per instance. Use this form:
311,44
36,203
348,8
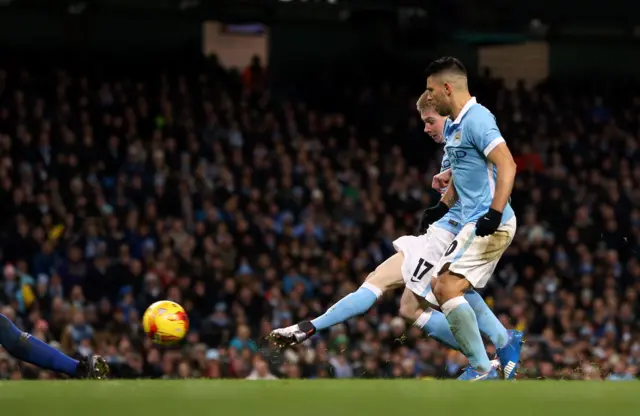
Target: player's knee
449,286
370,277
383,281
405,312
373,280
440,292
409,312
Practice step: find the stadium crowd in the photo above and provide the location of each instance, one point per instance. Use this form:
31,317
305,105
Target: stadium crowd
255,212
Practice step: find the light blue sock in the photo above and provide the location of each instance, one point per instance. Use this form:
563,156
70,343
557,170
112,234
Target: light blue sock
463,324
488,322
436,326
353,304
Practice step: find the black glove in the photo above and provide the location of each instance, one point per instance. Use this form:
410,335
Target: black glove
488,223
431,215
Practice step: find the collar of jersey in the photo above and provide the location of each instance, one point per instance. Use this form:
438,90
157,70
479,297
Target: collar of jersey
464,110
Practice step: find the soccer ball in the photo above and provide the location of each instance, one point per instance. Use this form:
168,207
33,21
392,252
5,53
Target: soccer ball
165,322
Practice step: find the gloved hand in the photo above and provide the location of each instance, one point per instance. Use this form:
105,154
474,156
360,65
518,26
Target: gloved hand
431,215
488,223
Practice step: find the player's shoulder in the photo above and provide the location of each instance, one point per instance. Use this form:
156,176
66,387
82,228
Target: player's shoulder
479,119
479,114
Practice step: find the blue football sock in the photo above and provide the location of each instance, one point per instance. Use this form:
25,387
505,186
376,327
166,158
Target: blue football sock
488,323
353,304
30,349
464,326
436,326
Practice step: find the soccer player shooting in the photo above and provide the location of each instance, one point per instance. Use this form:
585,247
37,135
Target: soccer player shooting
410,267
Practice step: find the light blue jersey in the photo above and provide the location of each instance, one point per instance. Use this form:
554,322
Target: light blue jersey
452,221
469,139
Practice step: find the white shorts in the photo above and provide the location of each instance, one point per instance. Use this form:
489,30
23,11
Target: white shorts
421,254
475,257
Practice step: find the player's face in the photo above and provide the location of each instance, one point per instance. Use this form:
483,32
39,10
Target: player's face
433,124
438,96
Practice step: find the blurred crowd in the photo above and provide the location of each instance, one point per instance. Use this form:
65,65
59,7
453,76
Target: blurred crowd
255,211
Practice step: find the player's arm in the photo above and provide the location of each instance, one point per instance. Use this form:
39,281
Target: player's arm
441,180
501,157
450,197
488,139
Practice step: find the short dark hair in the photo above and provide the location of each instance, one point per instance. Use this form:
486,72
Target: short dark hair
448,64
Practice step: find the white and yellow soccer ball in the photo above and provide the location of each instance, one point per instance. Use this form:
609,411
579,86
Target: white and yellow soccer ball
165,322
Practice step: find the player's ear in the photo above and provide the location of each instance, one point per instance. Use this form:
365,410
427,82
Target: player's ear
448,88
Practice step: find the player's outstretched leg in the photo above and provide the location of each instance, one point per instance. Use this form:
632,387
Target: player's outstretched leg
25,347
387,275
353,304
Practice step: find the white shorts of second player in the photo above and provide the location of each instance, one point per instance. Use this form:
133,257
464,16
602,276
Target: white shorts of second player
475,257
421,254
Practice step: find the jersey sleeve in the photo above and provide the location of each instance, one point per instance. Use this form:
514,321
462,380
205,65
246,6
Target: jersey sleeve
484,134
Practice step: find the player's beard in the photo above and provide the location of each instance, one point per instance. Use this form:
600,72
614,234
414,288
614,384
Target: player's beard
442,108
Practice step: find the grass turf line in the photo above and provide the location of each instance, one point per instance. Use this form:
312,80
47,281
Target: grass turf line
318,398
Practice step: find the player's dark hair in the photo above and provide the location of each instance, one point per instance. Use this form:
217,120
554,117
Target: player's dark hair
446,64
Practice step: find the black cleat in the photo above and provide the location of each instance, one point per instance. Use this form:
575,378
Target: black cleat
93,367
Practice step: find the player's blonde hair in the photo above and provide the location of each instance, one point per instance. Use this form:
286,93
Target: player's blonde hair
422,104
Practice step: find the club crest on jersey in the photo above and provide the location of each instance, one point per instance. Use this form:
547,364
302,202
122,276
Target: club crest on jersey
457,137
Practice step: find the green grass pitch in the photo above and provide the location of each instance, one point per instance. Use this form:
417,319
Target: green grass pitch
318,398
